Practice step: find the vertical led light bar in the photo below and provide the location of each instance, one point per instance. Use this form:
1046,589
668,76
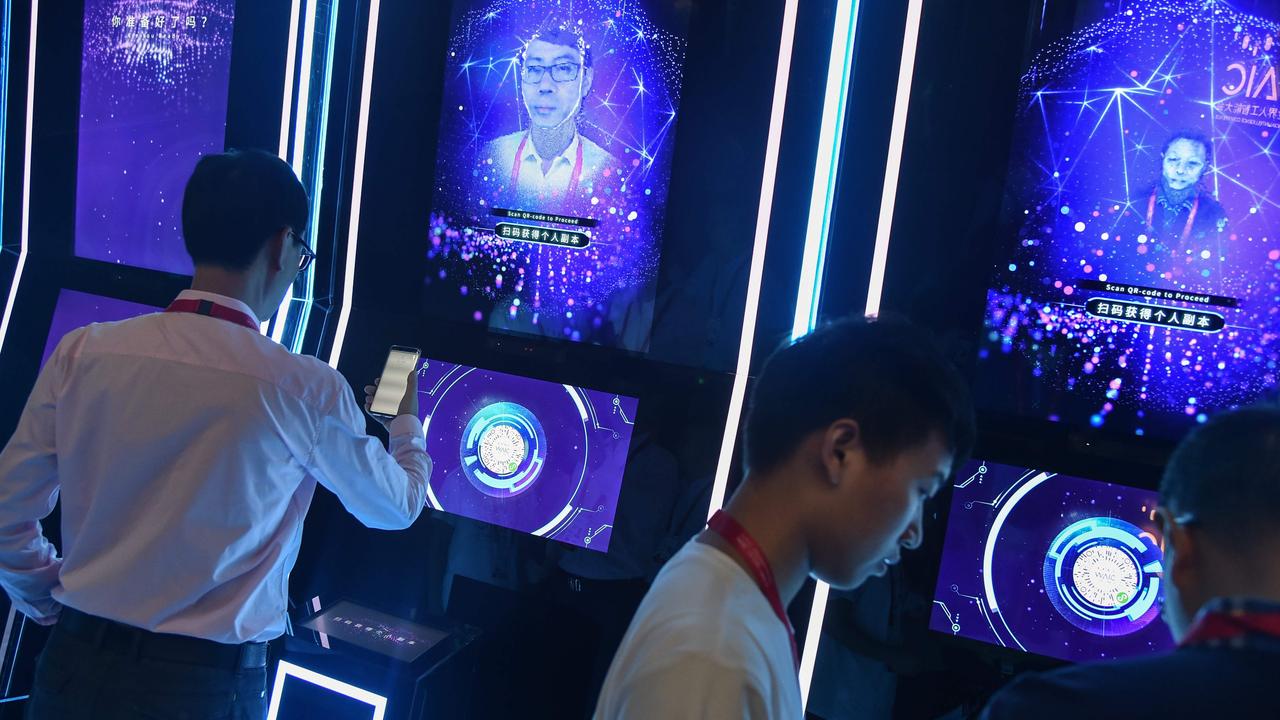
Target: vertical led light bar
377,703
906,70
825,167
26,175
755,278
357,186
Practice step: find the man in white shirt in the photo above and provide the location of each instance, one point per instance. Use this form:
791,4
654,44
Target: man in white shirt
850,430
551,166
186,448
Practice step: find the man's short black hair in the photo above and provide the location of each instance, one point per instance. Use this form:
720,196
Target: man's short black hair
888,375
1226,474
234,202
565,36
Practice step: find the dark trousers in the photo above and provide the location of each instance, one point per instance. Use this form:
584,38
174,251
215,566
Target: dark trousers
110,676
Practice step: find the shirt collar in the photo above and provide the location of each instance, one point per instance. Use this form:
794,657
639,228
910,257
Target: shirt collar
531,152
223,300
1163,198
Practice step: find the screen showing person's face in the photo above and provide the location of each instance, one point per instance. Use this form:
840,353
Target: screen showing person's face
554,82
1184,163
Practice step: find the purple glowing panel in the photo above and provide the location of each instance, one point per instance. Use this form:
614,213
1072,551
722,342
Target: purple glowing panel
77,309
529,455
1051,565
153,99
1141,291
555,156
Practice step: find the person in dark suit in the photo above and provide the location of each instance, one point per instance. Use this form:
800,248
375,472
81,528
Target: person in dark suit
1220,514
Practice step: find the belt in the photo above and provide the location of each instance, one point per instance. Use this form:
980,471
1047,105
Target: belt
126,639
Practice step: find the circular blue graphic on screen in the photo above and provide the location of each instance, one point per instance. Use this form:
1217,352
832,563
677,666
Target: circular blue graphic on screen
1103,576
503,450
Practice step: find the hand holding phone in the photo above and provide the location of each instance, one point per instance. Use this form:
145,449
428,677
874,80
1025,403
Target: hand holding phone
396,391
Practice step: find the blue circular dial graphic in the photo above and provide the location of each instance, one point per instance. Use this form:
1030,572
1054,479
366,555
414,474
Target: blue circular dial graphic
1103,576
503,449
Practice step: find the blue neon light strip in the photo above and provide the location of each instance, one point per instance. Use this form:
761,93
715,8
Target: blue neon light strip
826,167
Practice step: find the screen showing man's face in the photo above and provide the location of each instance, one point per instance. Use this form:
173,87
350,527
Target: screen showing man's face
1183,164
554,82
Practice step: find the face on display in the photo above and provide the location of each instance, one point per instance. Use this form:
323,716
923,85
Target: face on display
553,82
876,509
1184,164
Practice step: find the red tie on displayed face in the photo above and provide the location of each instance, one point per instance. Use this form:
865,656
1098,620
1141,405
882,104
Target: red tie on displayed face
213,309
725,526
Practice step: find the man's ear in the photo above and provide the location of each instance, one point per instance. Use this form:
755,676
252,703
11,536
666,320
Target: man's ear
1188,556
841,447
588,76
277,247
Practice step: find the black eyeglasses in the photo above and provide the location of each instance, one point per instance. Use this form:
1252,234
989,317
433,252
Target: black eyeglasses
308,255
560,72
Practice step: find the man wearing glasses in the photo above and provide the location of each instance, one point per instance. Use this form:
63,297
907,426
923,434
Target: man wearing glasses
1220,518
185,447
551,164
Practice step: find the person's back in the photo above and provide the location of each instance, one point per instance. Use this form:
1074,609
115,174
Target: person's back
185,448
1220,514
835,487
1191,682
217,503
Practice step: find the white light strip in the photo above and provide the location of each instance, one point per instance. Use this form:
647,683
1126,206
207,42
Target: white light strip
739,392
897,134
26,177
288,669
906,70
304,90
357,187
826,165
286,112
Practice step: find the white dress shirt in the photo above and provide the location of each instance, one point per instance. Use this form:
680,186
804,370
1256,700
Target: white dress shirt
186,450
534,186
704,644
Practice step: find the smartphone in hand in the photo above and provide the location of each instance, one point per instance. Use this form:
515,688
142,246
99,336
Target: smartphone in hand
401,362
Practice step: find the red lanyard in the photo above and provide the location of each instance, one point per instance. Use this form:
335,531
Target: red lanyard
723,524
574,178
212,309
1191,219
1223,627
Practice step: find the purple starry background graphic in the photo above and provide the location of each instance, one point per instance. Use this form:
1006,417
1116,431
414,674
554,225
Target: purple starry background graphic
1096,109
153,99
631,111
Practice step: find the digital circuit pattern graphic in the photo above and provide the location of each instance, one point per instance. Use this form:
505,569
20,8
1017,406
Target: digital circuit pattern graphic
1052,565
154,81
1112,323
529,455
601,293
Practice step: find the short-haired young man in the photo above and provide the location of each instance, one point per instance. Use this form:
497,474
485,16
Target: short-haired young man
851,430
186,448
1220,513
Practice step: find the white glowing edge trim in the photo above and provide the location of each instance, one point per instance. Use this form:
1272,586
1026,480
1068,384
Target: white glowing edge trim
300,126
357,186
906,71
286,112
26,177
287,669
754,280
825,167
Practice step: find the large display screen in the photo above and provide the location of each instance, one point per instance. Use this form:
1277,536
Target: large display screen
153,99
1140,289
530,455
554,158
76,309
1052,565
